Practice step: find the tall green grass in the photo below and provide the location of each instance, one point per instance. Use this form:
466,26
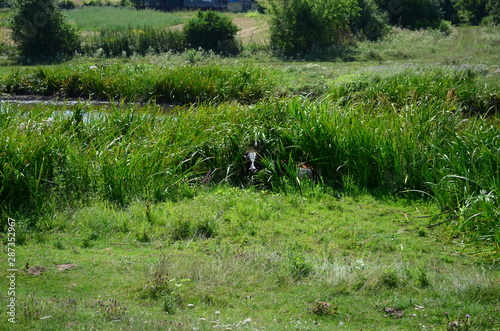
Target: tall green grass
140,82
391,87
134,41
412,140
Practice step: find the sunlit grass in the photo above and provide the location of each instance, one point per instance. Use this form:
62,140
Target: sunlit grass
142,82
269,259
390,134
97,18
167,232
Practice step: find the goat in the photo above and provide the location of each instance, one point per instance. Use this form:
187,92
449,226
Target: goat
306,170
252,164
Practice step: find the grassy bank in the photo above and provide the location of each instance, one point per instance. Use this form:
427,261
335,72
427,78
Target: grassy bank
143,83
436,137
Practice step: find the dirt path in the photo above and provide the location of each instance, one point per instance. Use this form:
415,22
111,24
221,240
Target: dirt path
467,41
252,30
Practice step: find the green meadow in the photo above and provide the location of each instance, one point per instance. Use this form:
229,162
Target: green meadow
97,18
123,182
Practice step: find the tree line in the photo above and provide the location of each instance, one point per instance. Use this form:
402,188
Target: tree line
297,27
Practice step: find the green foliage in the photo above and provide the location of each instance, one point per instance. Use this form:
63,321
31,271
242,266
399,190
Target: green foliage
126,3
300,26
372,23
415,14
94,3
134,41
445,27
213,31
66,4
183,84
40,30
5,3
353,135
472,11
494,11
206,282
296,263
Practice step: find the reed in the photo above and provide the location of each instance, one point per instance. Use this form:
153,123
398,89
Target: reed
397,86
418,145
142,82
129,41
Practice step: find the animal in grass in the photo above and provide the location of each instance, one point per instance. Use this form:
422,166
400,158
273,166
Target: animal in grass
252,161
253,164
305,170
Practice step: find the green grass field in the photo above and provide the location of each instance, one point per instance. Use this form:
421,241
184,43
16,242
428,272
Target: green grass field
137,214
97,18
270,261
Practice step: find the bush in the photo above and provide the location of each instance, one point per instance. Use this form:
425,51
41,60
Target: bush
372,22
93,3
472,11
299,27
494,11
212,31
40,30
445,27
415,14
67,4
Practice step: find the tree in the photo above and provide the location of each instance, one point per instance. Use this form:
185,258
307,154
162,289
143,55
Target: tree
300,26
494,11
40,30
372,23
210,30
5,3
414,14
473,11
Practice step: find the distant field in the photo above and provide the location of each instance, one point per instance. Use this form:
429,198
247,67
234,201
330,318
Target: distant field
96,18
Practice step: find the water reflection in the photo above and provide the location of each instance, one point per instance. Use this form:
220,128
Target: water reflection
40,100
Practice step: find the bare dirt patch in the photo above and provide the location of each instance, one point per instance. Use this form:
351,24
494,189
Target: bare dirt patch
252,30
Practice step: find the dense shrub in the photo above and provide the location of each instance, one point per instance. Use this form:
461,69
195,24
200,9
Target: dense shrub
300,26
494,11
97,3
372,23
40,30
67,4
414,14
213,31
472,11
445,27
126,3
